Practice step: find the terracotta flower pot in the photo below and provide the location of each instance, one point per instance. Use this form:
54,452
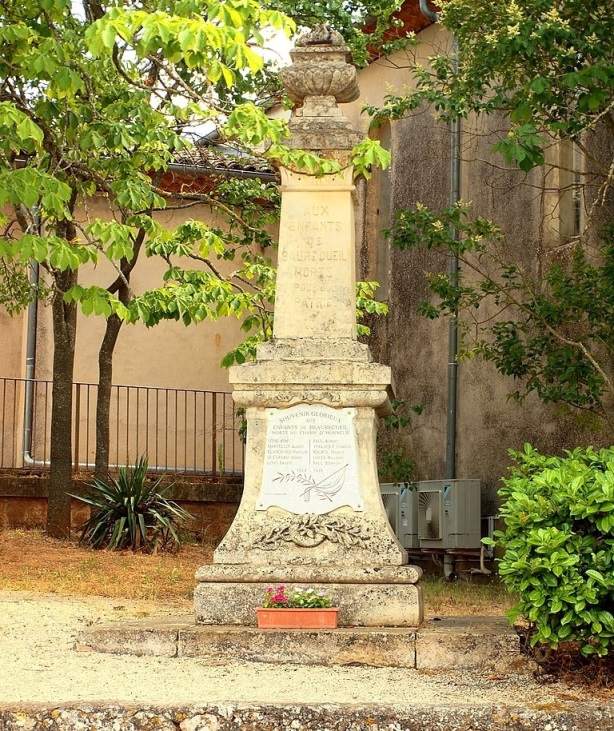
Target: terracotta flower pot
290,618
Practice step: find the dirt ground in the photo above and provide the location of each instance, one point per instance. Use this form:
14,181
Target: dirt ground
31,561
51,589
40,665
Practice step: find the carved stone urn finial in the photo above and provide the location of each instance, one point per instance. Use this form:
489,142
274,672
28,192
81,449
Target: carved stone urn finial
320,76
320,35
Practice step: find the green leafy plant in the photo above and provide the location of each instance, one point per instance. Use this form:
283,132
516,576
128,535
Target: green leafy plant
393,463
279,598
559,545
131,513
545,64
242,419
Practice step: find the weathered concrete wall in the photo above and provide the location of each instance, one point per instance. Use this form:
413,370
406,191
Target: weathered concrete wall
23,504
417,349
234,717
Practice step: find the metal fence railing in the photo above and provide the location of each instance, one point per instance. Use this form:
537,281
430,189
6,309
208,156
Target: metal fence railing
179,430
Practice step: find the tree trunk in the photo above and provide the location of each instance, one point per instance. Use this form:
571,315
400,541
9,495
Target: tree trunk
103,399
105,362
64,332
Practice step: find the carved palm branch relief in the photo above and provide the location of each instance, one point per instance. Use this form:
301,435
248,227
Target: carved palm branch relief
324,489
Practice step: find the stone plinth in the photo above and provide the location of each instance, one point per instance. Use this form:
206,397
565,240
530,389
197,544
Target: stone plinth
483,643
366,597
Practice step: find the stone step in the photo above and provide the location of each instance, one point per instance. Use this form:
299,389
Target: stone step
480,642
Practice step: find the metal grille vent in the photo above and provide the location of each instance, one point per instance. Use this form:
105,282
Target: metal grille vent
429,515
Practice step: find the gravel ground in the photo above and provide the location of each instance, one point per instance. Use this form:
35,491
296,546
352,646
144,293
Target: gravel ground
39,665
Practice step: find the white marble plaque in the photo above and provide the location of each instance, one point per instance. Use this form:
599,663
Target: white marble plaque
310,461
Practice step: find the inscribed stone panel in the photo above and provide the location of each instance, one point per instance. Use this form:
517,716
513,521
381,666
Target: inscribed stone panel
310,462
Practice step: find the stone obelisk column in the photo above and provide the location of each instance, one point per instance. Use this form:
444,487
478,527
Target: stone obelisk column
311,511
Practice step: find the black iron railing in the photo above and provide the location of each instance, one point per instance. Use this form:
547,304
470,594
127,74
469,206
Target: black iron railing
179,430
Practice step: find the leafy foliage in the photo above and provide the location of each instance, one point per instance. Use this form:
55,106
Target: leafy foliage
16,291
393,463
553,335
559,545
111,97
369,154
547,65
97,100
127,512
104,97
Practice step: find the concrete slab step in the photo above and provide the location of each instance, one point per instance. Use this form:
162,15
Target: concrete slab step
480,642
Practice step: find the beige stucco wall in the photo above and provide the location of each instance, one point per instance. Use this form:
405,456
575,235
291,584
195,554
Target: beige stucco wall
12,338
417,348
12,363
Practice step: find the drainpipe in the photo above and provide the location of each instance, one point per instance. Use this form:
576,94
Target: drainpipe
28,416
455,137
427,12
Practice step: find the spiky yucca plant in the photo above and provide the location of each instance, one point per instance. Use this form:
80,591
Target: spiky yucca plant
130,513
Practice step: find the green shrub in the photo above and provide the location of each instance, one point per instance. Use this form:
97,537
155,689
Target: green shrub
393,463
131,513
559,545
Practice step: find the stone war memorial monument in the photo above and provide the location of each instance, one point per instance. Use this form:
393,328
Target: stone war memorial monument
311,512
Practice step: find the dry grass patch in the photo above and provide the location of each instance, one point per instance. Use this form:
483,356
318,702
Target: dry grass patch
32,561
478,595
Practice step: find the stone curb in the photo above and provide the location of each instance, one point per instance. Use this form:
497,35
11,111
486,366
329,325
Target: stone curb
450,643
254,717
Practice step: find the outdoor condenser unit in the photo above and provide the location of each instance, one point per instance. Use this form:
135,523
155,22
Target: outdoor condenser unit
401,506
449,514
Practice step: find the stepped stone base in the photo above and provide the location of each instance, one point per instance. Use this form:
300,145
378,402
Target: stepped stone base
366,597
450,643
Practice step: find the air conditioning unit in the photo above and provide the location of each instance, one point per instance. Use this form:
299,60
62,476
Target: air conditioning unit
391,497
401,506
449,513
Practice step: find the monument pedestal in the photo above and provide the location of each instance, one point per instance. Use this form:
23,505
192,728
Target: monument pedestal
311,512
306,415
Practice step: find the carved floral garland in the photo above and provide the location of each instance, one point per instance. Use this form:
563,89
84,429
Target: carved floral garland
308,531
